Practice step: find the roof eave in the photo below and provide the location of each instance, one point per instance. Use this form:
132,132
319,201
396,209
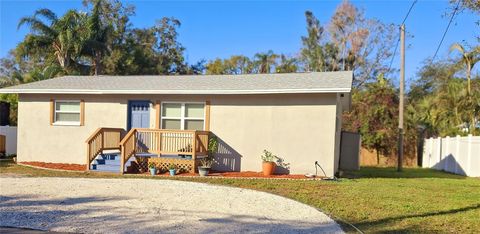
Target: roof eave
86,91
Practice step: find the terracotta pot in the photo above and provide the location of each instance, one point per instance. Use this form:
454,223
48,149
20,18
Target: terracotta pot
268,168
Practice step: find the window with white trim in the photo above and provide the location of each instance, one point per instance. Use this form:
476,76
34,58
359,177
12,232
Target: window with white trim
183,115
67,112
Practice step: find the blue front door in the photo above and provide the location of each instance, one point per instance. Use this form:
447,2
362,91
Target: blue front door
139,112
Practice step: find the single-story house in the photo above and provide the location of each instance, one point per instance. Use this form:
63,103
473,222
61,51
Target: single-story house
74,119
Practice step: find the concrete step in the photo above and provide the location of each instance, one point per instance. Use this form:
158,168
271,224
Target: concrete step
109,163
110,156
108,168
100,161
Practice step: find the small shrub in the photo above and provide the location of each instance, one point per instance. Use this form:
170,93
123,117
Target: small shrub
206,163
268,156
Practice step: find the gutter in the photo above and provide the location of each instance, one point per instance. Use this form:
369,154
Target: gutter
90,91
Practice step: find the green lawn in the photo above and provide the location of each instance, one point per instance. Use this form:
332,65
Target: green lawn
373,199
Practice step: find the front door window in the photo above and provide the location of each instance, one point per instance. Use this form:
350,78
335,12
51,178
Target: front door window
139,114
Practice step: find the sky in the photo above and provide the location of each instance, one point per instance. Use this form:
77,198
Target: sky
219,29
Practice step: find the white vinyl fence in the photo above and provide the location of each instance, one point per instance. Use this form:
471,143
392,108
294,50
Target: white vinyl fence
459,155
11,138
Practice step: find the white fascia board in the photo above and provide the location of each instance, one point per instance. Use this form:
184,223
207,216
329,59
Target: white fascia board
89,91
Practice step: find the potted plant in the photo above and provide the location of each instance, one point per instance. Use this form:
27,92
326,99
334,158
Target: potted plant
205,165
173,169
269,163
152,167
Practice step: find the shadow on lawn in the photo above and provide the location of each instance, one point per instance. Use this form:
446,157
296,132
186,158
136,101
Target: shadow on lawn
391,172
424,215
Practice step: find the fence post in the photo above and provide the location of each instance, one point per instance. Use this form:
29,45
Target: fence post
430,153
445,154
457,152
426,151
468,165
439,152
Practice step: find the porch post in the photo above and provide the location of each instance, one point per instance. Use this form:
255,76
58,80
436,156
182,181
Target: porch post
88,157
122,159
194,146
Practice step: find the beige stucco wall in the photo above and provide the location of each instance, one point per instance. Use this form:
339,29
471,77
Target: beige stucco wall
300,128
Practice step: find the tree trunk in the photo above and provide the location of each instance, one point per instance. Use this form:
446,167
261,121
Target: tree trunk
378,157
468,78
98,63
472,124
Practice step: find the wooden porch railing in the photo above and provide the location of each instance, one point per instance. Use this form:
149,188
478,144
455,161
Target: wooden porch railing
103,139
3,144
163,141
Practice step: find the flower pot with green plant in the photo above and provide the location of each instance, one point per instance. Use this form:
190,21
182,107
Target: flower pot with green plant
205,166
269,163
153,168
173,169
206,163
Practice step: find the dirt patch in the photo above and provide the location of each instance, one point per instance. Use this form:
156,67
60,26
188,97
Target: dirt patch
59,166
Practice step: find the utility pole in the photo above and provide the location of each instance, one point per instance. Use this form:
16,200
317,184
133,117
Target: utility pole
400,106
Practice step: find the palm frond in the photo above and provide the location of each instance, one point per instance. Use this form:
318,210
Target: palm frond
36,26
457,46
47,13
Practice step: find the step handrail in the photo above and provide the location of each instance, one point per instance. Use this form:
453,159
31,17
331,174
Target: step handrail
100,140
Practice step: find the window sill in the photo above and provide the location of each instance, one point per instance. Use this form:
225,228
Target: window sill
66,124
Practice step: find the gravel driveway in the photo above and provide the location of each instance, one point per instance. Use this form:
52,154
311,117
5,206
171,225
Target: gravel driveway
147,206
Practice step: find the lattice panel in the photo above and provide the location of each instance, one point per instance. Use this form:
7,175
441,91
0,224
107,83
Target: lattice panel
183,165
142,164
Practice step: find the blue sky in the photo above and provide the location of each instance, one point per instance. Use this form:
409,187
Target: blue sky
223,28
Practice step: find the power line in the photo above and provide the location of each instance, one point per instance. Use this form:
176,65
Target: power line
409,10
393,56
396,46
446,30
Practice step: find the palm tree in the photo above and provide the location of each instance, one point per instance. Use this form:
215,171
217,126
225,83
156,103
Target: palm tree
287,64
264,61
469,58
38,73
63,36
95,46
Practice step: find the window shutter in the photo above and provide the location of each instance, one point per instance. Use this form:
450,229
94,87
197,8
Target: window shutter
82,113
52,111
207,116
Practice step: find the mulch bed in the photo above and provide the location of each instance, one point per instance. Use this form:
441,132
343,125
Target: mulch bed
243,174
59,166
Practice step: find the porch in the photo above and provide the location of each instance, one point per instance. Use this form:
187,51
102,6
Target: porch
133,151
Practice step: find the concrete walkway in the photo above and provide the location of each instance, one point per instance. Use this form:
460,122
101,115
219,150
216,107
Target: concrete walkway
151,206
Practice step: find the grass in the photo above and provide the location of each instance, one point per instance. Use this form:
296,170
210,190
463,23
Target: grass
375,200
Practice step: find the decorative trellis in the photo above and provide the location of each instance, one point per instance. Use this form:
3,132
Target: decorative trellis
182,165
140,164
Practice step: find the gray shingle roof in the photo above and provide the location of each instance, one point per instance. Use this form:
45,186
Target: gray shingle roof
311,82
